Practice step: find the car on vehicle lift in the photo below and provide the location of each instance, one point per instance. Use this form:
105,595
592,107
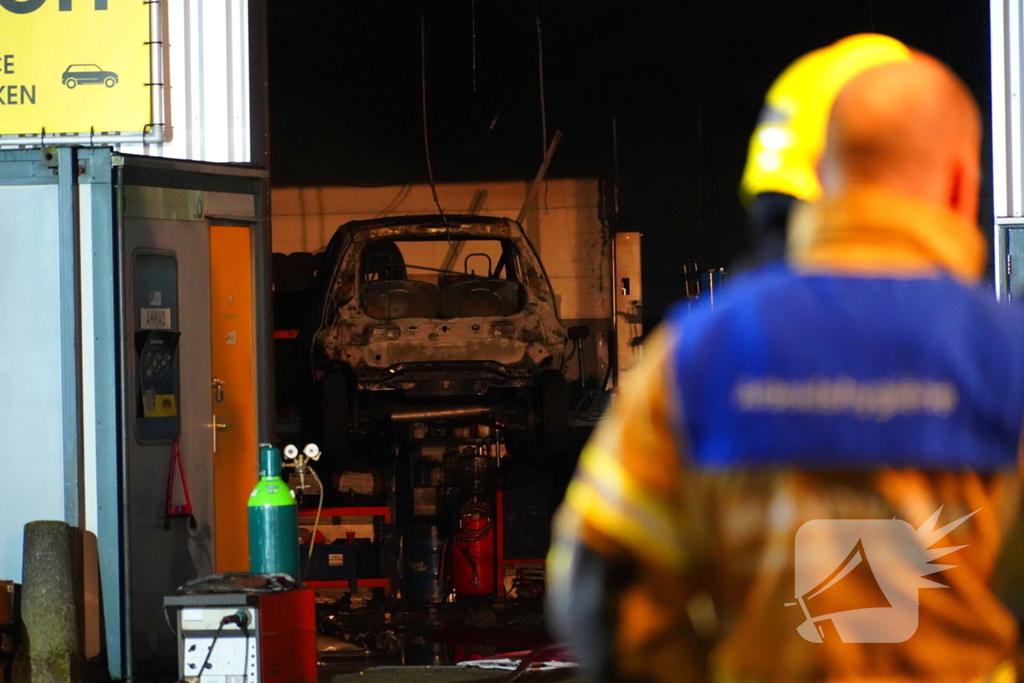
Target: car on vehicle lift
437,312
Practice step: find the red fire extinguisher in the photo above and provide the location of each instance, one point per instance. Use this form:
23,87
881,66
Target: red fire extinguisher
473,551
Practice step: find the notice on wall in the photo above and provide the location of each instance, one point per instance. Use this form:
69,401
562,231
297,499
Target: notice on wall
74,66
154,319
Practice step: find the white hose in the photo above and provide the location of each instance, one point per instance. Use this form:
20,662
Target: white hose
316,523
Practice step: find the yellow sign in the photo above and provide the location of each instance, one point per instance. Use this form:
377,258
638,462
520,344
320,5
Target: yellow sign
74,66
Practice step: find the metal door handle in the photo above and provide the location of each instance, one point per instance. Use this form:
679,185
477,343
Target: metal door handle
218,388
217,427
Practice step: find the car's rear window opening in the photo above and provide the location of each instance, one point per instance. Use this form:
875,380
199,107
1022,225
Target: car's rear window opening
440,278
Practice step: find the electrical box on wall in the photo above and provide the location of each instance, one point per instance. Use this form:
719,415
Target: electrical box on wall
1009,259
629,329
155,289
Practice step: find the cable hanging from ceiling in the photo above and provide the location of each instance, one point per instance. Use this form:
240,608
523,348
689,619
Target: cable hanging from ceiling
472,10
540,78
543,104
423,98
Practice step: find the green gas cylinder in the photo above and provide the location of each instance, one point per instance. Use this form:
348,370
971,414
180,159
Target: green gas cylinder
273,520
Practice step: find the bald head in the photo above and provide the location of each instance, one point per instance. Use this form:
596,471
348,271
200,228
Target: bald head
909,126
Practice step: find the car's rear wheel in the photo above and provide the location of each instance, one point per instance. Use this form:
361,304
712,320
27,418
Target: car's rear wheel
110,82
71,83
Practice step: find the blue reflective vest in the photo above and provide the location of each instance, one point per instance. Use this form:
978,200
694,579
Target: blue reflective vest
851,373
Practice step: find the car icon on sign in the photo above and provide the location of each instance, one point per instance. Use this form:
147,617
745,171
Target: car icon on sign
87,74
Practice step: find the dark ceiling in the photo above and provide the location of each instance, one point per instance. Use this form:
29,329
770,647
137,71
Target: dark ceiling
684,81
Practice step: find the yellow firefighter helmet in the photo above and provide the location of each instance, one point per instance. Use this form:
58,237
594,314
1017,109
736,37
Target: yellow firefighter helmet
790,134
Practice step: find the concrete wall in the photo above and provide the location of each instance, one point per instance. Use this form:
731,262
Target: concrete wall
564,227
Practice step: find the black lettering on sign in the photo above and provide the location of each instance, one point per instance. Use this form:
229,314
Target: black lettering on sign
21,6
7,64
65,5
17,94
26,6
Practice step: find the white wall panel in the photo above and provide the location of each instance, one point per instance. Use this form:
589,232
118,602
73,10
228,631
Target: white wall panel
1007,112
206,73
31,417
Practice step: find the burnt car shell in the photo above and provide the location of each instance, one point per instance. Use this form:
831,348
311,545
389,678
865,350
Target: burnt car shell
390,340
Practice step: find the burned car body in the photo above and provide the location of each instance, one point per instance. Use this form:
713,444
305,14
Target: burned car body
419,306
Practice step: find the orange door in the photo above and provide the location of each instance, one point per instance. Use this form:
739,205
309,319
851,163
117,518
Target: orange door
234,387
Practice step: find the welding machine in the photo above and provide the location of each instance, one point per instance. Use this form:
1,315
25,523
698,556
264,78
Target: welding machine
246,637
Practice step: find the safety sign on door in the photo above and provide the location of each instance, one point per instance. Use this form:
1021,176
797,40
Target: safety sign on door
74,66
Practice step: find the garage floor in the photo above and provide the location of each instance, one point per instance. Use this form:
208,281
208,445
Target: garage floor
442,635
446,674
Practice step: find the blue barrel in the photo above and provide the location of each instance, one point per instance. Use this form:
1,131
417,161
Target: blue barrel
424,584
